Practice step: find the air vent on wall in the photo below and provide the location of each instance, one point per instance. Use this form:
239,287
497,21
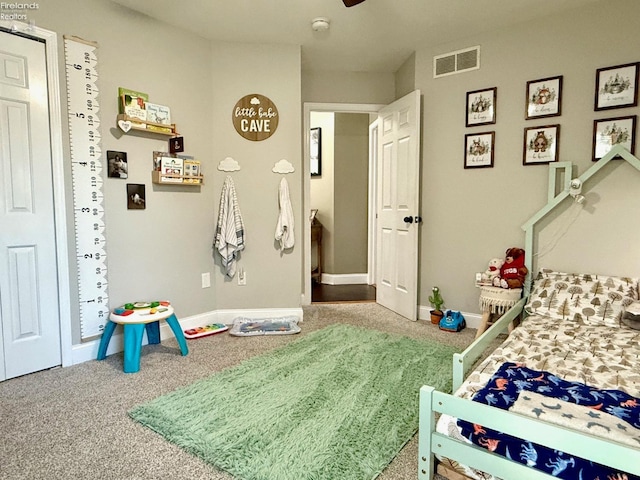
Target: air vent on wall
456,62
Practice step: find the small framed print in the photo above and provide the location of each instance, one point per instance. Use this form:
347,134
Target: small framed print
118,167
481,107
544,98
478,149
541,145
176,144
136,197
315,152
617,87
609,132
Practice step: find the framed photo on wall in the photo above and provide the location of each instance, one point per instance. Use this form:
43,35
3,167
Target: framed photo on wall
118,167
617,87
478,149
481,107
136,197
541,145
544,98
609,132
315,151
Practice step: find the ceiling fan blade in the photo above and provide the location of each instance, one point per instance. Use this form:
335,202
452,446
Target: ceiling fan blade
351,3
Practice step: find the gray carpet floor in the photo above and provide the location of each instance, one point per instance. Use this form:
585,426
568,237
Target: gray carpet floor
72,423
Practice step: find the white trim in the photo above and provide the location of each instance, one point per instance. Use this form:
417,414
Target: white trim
57,163
306,197
89,350
345,279
374,131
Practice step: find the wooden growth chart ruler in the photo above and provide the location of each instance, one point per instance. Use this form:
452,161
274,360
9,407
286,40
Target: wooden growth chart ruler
81,63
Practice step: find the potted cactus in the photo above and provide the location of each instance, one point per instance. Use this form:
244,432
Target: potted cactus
436,301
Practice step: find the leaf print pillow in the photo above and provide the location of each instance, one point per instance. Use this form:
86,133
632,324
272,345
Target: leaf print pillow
584,298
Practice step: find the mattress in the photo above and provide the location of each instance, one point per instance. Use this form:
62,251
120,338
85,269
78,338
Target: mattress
600,356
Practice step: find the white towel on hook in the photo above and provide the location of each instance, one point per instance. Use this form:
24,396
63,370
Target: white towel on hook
284,227
229,239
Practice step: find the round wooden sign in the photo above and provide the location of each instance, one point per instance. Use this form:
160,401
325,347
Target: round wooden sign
255,117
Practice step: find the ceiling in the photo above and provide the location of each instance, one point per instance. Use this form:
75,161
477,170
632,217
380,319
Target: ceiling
374,36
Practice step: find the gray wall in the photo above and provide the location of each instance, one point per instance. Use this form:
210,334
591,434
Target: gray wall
473,215
350,192
340,193
469,215
161,252
273,278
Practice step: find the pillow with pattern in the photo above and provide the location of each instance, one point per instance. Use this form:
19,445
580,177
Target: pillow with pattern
586,298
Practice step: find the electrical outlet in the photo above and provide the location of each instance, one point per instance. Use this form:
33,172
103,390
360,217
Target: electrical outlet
242,277
206,280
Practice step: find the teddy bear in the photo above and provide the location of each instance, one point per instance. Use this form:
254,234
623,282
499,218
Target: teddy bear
491,272
513,270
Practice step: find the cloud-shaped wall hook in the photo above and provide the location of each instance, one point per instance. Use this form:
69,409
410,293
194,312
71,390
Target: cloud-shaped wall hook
283,166
229,165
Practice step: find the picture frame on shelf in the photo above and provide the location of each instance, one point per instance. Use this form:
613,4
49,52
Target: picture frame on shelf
617,87
136,197
609,132
481,107
541,145
544,98
315,151
478,150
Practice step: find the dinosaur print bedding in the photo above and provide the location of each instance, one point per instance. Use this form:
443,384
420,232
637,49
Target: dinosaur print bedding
603,358
573,404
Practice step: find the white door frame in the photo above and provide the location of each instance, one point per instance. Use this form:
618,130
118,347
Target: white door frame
306,175
57,161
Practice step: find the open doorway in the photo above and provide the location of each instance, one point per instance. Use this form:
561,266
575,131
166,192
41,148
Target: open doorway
339,190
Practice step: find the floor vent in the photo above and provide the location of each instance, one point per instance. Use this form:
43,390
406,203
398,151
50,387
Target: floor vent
456,62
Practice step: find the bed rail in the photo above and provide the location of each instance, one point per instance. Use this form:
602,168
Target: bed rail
462,362
606,452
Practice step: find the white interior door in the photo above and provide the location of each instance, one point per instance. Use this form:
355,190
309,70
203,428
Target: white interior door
398,208
29,310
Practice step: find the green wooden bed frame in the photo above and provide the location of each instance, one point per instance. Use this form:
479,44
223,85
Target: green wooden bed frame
430,442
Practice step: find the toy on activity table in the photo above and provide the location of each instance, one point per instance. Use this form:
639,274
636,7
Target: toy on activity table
129,308
211,329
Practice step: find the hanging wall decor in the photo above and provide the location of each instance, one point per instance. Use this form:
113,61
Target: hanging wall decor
255,117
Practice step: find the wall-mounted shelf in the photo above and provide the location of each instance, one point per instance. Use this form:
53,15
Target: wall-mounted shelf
128,124
172,179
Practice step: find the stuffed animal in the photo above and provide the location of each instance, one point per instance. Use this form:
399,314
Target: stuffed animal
513,271
491,272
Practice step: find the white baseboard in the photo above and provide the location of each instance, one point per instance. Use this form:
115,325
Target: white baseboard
344,279
472,319
89,350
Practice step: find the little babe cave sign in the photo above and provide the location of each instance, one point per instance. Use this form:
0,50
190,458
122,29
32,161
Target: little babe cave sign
255,117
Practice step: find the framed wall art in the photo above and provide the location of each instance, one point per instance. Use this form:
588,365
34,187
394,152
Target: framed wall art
481,107
118,167
315,151
617,87
609,132
541,145
136,197
544,98
478,149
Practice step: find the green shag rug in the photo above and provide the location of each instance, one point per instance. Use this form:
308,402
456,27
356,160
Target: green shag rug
337,404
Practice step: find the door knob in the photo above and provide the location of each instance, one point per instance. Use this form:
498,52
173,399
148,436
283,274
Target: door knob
418,219
408,219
